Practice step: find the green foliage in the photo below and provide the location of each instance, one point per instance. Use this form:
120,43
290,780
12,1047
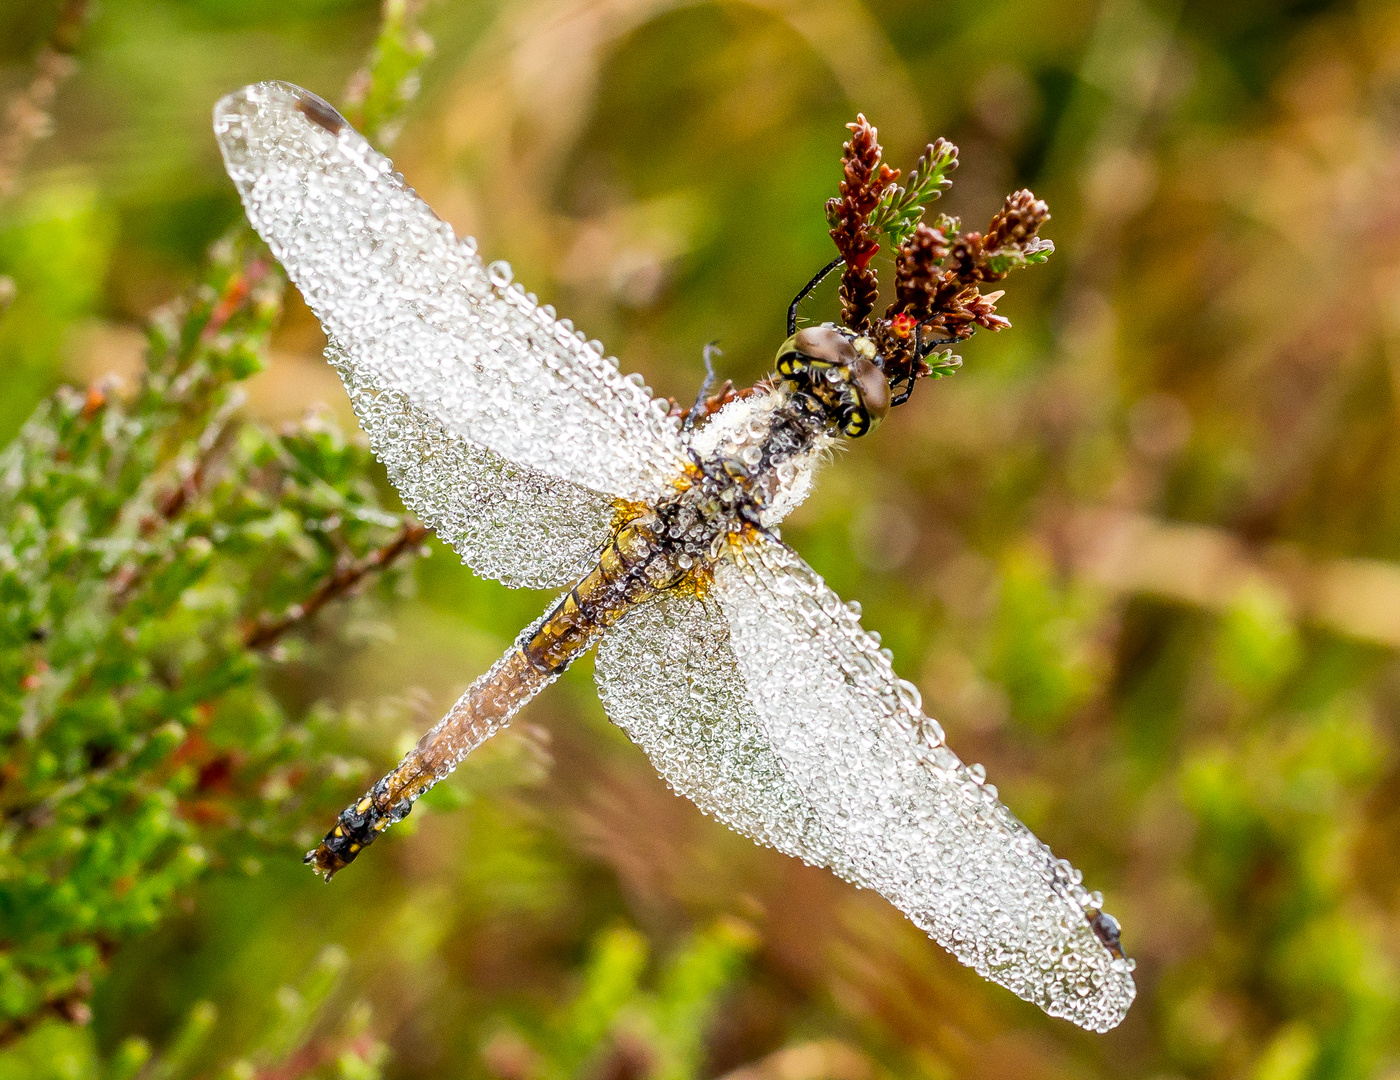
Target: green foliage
1006,260
942,363
687,994
54,246
1257,643
151,549
310,1032
660,1031
380,91
159,557
1041,648
1279,818
611,979
901,208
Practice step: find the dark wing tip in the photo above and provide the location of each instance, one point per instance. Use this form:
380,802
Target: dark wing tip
319,111
275,94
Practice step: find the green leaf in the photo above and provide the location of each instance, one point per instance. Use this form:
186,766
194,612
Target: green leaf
901,208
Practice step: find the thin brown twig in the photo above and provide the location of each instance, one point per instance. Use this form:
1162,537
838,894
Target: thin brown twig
170,505
267,631
72,1008
28,118
307,1059
212,443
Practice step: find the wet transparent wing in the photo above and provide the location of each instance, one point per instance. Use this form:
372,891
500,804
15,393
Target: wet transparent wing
667,676
414,312
910,819
506,521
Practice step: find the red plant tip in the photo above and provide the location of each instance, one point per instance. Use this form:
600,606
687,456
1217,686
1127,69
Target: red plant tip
94,401
235,292
901,326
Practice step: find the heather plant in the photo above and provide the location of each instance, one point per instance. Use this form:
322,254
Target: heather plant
308,1032
161,559
614,1025
162,563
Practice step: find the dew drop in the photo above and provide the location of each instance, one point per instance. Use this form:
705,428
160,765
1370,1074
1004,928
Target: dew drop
499,273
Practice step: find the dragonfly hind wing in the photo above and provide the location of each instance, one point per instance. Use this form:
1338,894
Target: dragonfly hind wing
910,820
667,676
522,527
413,311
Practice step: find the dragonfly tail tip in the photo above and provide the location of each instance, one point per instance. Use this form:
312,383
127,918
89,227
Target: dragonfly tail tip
323,862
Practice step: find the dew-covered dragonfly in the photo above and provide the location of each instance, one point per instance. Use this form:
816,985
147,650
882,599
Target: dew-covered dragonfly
752,687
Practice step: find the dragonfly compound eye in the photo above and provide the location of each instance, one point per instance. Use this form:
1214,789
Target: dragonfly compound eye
826,344
871,392
841,370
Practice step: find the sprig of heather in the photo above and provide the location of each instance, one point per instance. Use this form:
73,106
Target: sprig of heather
865,180
939,269
378,93
901,208
160,558
937,277
1010,241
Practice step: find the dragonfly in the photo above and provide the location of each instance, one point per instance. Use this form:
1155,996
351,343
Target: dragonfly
751,686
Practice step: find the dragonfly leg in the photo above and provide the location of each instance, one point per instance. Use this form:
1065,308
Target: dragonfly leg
698,410
922,349
802,293
751,516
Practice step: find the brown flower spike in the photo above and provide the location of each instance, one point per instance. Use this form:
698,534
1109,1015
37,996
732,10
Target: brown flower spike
864,178
917,271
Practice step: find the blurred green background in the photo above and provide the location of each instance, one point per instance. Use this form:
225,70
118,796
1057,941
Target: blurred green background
1142,555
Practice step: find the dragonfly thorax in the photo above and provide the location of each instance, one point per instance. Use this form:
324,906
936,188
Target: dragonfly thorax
753,462
751,465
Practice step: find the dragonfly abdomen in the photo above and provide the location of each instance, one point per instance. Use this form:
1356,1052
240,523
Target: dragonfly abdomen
651,549
483,710
631,567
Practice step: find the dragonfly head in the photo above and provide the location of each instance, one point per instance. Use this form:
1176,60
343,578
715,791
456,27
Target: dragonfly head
842,370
